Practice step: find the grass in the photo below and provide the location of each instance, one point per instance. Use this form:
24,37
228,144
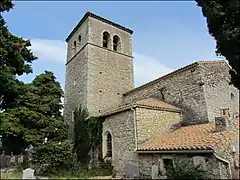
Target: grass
82,174
11,175
74,174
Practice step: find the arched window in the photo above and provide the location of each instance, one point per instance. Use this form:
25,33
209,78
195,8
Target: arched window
79,39
116,43
109,145
106,37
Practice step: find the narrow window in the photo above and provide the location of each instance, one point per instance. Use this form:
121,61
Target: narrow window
106,37
109,145
116,43
79,39
74,44
233,106
232,97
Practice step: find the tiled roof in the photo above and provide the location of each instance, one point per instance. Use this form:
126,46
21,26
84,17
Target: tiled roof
151,103
156,103
193,137
89,14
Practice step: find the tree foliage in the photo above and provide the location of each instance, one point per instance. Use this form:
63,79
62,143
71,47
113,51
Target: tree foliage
37,121
52,157
15,60
87,134
37,115
223,19
182,169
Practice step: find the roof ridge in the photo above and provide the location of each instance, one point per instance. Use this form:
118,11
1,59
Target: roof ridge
100,18
177,71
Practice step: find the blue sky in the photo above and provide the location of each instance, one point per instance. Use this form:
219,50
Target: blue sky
167,35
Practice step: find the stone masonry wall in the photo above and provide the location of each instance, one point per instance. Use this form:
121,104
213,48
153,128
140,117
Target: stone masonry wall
213,166
183,89
109,76
110,73
121,128
230,152
83,32
76,73
75,84
152,123
96,29
217,89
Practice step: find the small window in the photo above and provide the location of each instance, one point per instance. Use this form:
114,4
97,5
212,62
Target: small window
109,145
79,39
74,82
166,164
116,43
74,44
106,37
232,97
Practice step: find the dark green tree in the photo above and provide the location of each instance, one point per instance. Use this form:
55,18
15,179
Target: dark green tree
37,115
87,136
223,19
37,121
15,60
81,137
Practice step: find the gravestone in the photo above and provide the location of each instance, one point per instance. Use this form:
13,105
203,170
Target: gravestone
13,159
155,171
131,171
20,159
28,174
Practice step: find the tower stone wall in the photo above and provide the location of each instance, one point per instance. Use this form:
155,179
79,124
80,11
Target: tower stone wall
97,76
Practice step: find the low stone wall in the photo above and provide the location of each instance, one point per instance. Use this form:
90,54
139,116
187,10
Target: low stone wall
215,168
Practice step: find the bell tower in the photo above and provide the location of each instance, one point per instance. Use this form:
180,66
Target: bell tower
99,67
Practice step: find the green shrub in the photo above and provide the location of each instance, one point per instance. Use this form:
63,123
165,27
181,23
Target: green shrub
52,157
182,169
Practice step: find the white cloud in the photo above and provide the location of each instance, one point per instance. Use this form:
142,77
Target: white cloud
146,68
45,49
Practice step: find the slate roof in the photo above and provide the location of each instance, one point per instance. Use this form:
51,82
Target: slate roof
193,137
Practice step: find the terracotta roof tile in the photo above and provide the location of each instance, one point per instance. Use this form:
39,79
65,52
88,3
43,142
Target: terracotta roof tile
194,137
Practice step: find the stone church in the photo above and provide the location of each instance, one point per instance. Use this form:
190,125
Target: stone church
190,113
